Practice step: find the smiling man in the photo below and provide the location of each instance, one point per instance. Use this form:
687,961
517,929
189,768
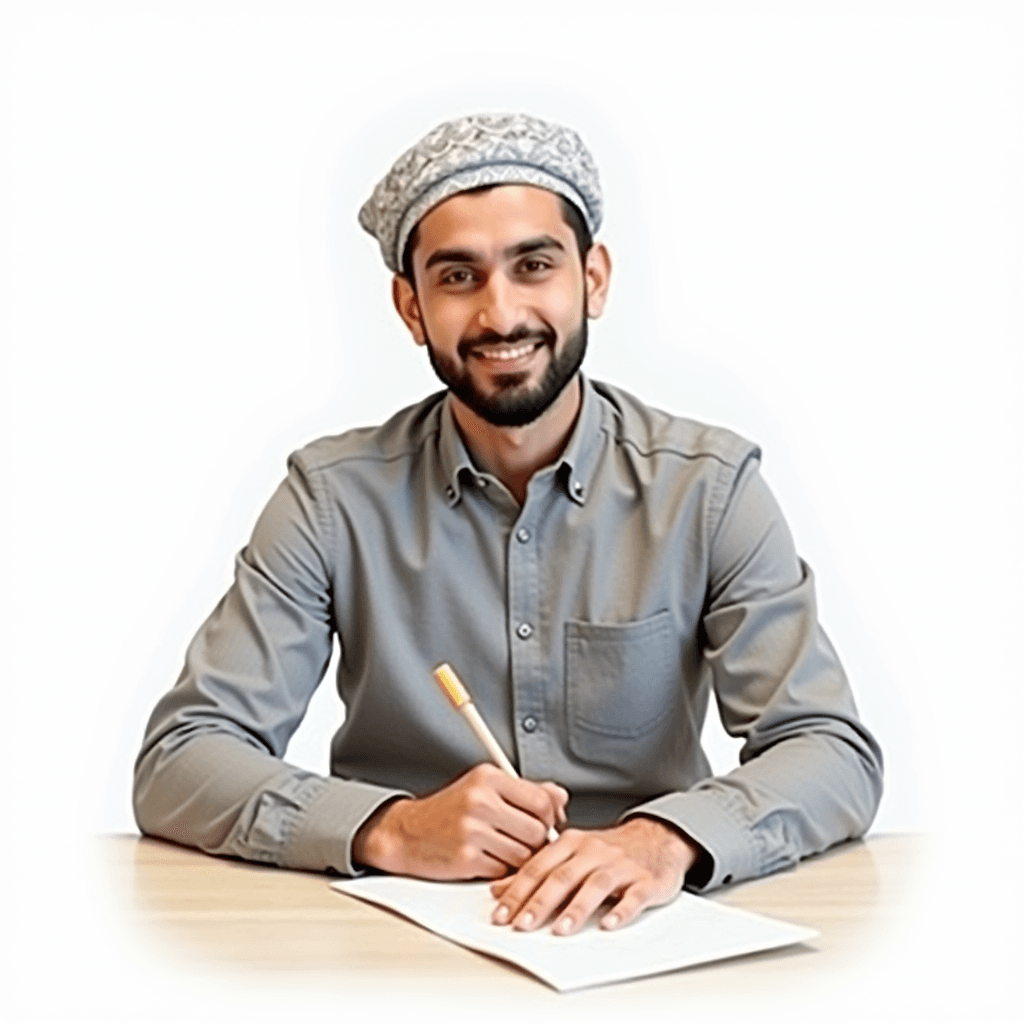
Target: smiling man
594,569
499,293
454,274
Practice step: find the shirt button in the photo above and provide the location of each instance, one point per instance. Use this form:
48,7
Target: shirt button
524,631
450,491
577,489
529,723
522,535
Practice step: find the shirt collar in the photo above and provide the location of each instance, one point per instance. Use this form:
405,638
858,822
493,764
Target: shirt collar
574,467
456,465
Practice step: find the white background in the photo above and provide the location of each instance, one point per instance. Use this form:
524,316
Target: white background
814,212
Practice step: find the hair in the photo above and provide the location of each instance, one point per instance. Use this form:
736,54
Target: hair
570,214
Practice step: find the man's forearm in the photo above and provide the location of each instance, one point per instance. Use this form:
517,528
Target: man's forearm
225,796
799,797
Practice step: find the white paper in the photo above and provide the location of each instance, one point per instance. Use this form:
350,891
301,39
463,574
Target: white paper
689,931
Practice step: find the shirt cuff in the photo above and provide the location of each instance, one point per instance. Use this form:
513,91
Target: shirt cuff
322,837
703,819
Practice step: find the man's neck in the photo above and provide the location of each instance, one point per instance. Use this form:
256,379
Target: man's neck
514,454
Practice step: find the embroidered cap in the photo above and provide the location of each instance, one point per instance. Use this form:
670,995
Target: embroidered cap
482,149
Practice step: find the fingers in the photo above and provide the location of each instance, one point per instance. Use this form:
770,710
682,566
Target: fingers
498,887
488,814
477,826
464,862
510,852
524,810
570,880
483,865
635,899
599,885
520,900
543,801
559,798
507,822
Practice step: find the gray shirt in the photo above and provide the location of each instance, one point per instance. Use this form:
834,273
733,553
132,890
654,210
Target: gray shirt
648,567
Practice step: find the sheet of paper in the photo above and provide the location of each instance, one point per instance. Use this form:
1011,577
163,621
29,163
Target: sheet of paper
692,930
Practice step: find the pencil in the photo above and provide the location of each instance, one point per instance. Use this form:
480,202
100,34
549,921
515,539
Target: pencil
461,701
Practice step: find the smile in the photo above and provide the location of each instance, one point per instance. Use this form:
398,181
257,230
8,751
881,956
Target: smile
506,355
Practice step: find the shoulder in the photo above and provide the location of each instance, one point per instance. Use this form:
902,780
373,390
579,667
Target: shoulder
654,434
401,437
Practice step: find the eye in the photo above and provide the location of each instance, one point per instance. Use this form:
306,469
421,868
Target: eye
534,265
456,276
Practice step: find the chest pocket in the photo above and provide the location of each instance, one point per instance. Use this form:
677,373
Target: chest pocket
621,691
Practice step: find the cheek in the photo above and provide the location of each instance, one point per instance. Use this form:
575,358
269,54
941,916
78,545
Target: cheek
564,303
444,322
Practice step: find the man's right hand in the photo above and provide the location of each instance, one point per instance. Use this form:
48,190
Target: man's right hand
479,826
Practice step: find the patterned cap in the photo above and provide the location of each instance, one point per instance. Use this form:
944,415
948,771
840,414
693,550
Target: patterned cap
482,149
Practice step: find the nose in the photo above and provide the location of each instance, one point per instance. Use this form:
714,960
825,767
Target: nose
500,309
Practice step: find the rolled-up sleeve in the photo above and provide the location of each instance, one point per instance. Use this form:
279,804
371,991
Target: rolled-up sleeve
810,774
211,772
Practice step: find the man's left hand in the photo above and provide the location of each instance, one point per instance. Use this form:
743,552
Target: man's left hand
640,863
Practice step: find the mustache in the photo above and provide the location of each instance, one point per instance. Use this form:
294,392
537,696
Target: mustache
514,337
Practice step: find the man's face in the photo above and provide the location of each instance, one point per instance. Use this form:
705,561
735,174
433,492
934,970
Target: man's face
501,299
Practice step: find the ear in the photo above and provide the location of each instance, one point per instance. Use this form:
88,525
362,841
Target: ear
597,272
403,296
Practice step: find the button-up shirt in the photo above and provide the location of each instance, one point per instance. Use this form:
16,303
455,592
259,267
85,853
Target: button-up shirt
648,567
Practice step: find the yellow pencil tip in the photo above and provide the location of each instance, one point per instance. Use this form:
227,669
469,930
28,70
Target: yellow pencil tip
449,682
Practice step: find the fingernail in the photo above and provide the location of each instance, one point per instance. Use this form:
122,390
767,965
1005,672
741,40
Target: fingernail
564,926
524,920
610,921
501,915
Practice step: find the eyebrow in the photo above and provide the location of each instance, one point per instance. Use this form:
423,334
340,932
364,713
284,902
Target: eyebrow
513,251
533,245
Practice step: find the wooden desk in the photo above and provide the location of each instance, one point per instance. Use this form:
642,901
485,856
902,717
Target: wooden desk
241,917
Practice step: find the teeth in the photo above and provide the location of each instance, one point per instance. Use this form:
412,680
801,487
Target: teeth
505,355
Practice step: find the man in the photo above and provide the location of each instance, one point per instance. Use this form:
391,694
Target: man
592,568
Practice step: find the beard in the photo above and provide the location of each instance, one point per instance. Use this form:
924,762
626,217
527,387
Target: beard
513,404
